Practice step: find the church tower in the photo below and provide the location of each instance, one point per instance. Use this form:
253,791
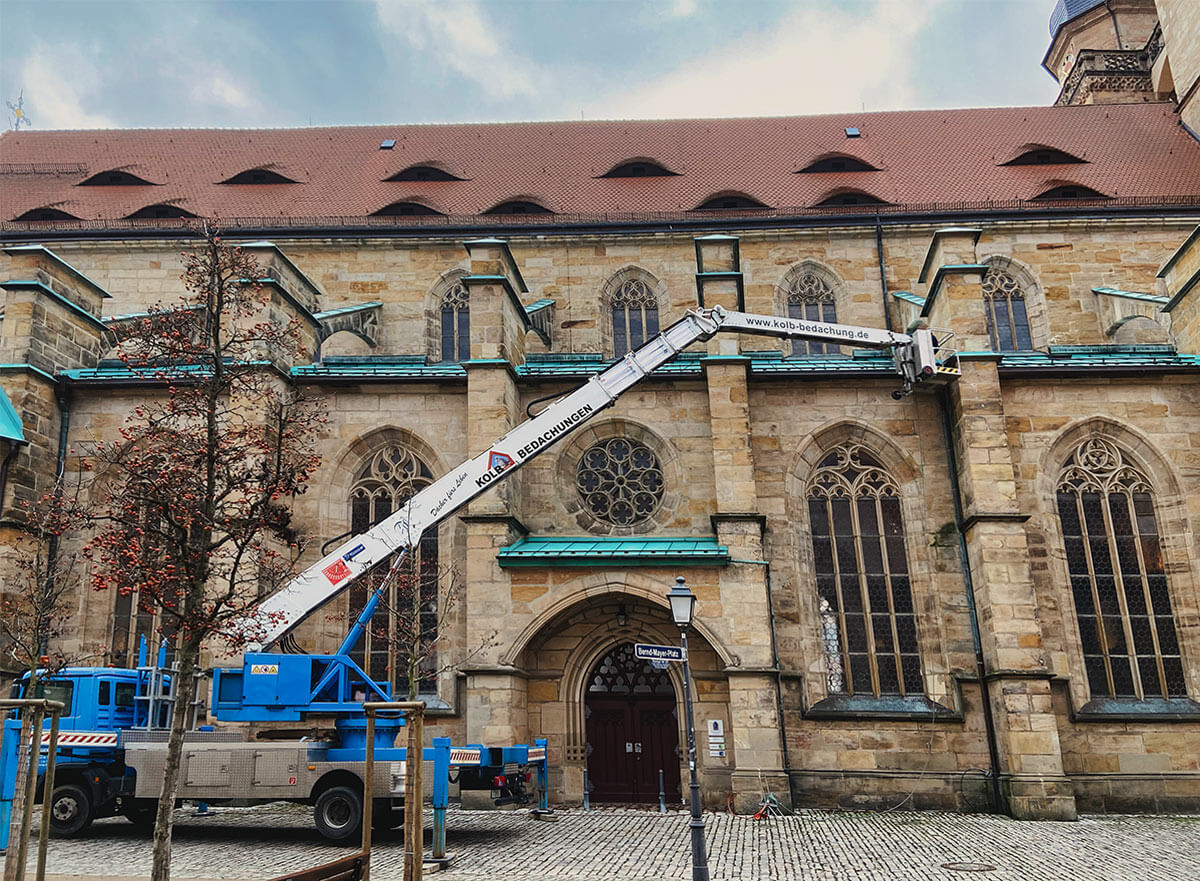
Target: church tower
1102,51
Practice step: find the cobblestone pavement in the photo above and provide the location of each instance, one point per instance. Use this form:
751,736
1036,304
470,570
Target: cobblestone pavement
252,844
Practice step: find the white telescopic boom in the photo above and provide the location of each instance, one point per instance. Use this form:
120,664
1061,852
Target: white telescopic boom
283,610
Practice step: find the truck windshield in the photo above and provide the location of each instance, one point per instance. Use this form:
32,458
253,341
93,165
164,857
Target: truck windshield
57,690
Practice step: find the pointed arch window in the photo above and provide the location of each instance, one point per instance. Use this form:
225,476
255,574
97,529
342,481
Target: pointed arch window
634,315
810,298
1114,557
456,323
406,621
1007,319
868,625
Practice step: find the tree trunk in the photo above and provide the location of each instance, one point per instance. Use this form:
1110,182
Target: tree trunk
184,693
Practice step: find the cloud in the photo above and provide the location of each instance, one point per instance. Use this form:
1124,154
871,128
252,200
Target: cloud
816,60
457,34
58,84
682,8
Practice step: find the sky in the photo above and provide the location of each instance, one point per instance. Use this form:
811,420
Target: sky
72,64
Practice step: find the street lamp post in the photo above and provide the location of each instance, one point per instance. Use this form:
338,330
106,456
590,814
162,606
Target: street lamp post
683,607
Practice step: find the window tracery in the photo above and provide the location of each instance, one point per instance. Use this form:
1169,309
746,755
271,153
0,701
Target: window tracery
386,481
1007,319
620,481
868,623
456,323
634,314
1114,558
810,298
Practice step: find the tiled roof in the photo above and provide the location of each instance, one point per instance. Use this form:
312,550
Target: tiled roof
925,158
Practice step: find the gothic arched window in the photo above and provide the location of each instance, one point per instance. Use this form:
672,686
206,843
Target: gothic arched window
868,626
1007,321
456,323
1106,507
620,481
809,298
406,622
634,315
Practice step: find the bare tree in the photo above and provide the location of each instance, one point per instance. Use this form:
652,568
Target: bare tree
197,523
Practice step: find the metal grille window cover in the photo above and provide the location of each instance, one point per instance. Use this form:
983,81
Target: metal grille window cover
634,315
456,324
620,672
620,481
1122,600
1008,322
868,624
809,298
389,479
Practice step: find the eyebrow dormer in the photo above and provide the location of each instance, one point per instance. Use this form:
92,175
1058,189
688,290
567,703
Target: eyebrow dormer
639,167
1066,191
849,196
1040,154
115,177
159,211
406,209
519,206
43,214
256,176
836,162
423,172
729,201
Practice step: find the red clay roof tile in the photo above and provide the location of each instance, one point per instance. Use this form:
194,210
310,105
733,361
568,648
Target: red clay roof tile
923,157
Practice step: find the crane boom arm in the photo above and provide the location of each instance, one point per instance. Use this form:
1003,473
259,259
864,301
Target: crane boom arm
283,610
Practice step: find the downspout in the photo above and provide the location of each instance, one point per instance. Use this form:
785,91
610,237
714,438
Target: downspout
887,304
787,764
63,394
1116,29
989,723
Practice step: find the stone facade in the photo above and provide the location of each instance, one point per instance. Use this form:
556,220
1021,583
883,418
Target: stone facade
737,449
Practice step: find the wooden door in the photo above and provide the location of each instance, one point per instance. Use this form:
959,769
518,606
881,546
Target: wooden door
632,730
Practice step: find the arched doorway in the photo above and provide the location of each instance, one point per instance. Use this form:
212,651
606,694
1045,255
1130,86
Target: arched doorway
632,729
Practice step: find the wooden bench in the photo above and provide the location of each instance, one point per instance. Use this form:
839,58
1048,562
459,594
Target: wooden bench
349,868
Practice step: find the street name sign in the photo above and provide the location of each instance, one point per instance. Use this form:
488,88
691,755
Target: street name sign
657,652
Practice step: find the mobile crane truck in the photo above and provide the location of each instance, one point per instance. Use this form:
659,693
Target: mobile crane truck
112,743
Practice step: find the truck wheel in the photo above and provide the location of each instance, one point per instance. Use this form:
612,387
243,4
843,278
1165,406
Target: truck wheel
70,810
338,814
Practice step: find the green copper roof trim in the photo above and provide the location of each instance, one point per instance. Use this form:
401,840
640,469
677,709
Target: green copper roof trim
909,297
1174,258
538,306
935,286
347,310
974,232
54,295
10,423
20,249
510,262
502,280
275,283
1130,295
28,368
285,259
1183,291
581,552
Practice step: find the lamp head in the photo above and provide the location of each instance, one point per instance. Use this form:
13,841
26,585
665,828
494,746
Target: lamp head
683,604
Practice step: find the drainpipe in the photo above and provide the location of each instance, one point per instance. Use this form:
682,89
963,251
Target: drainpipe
63,395
887,304
989,722
787,764
1116,29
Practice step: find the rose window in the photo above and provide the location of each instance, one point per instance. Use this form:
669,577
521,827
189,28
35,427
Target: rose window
620,481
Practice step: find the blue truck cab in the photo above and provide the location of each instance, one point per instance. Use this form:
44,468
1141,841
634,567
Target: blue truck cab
91,779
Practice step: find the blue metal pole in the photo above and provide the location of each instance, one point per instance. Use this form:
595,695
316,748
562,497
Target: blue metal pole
441,795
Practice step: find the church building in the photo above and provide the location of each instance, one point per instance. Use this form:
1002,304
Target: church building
984,595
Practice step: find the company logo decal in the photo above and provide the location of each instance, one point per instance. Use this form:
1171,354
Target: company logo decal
336,572
499,461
